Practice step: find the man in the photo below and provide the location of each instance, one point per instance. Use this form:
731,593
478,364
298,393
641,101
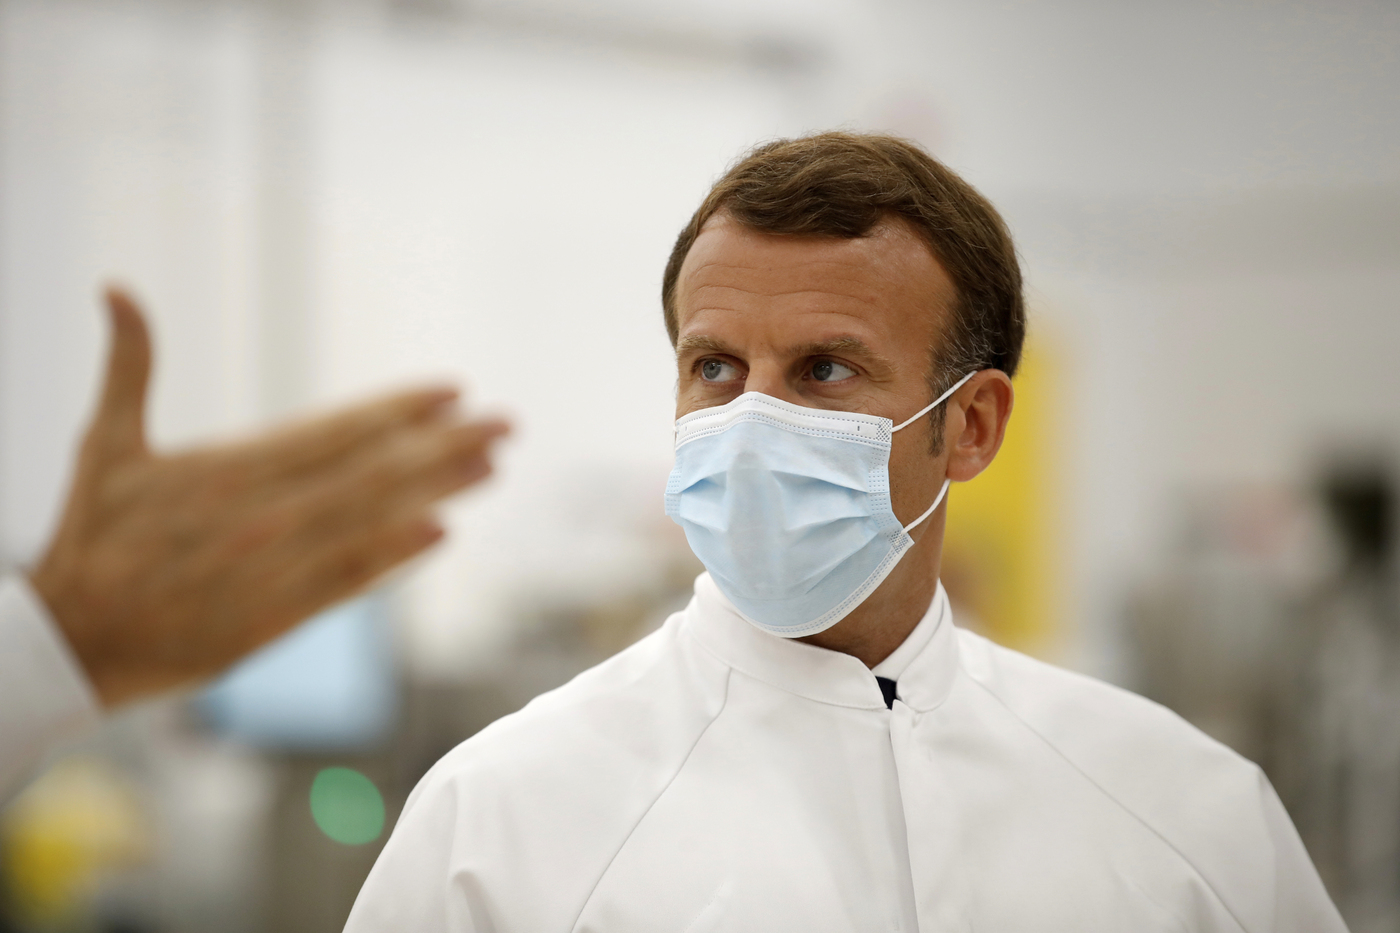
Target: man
811,744
167,568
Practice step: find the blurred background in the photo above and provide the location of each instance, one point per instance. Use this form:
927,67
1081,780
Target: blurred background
323,199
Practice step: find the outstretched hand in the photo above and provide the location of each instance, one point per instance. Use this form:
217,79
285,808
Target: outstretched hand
167,568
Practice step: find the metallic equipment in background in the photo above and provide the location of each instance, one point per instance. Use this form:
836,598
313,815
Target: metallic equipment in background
1275,627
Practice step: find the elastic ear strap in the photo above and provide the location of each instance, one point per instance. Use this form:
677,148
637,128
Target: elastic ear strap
938,401
941,493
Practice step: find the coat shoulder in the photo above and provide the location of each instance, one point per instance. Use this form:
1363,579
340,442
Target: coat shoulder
614,717
1212,806
1094,724
512,828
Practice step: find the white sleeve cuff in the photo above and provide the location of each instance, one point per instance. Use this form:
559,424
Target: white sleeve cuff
44,693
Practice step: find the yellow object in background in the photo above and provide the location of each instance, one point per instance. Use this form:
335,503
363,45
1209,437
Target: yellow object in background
999,549
70,828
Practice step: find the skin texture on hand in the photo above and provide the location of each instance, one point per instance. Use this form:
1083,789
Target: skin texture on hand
165,569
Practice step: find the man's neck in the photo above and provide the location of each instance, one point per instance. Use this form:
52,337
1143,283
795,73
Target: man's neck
878,626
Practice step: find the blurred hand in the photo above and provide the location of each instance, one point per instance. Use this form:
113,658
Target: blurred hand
166,569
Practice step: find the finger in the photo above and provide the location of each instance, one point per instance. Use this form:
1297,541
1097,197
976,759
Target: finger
314,516
119,426
407,477
297,448
304,587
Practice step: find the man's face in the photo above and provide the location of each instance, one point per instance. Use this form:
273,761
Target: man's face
821,322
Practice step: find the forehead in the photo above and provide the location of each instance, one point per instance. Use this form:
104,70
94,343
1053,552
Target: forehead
888,280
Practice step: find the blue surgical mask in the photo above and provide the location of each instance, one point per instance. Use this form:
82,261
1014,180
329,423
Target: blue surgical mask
789,508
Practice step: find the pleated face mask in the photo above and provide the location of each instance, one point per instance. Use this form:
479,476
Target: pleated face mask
789,508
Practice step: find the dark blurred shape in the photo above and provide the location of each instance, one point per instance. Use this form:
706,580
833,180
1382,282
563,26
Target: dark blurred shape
121,924
1361,503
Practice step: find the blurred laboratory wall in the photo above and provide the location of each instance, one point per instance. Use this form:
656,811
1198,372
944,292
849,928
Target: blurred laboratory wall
321,199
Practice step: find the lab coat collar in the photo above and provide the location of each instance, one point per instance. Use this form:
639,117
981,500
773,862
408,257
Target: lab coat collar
818,673
925,683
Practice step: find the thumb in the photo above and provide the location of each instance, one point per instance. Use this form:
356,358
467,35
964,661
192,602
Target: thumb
120,424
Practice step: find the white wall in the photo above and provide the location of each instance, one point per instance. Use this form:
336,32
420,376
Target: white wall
124,152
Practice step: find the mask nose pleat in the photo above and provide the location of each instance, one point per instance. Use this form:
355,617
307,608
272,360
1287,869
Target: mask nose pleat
759,504
824,466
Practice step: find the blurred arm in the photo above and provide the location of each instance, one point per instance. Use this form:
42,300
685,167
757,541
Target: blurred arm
44,695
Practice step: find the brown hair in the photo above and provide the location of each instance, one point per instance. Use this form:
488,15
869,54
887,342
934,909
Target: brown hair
843,185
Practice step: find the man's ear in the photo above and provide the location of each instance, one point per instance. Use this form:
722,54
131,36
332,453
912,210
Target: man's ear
976,423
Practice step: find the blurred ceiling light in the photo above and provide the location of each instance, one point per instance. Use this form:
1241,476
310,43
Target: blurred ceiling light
770,36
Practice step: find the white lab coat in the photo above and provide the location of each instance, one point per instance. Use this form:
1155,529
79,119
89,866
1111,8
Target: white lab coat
714,777
44,694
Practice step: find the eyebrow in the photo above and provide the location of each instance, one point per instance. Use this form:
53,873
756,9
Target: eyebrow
854,346
703,343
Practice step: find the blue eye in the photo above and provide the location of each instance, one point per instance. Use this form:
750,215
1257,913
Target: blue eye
717,371
831,371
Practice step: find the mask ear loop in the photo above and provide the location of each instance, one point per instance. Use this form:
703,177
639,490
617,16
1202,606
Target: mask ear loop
941,493
936,402
947,482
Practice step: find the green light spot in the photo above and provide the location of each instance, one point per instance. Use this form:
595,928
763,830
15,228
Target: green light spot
347,806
